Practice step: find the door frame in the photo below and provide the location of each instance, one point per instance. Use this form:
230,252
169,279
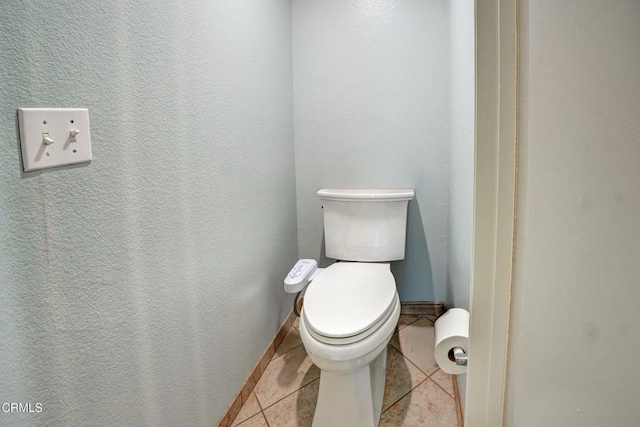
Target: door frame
494,210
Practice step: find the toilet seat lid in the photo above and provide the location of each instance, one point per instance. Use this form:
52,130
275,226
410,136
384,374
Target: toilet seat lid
348,298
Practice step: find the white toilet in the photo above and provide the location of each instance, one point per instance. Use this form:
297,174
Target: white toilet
351,308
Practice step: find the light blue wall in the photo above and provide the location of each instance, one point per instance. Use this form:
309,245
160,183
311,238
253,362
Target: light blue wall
461,155
140,289
371,110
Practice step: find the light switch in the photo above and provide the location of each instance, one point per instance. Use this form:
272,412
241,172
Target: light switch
53,137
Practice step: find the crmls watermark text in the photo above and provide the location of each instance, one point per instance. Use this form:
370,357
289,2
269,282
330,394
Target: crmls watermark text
33,408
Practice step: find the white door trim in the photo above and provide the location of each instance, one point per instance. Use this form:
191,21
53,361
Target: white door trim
494,210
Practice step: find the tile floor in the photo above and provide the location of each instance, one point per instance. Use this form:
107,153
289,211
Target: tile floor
417,392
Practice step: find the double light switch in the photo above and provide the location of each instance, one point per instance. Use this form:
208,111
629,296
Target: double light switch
53,137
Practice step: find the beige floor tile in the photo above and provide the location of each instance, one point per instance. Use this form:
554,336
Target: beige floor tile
285,375
291,341
426,405
295,410
406,319
402,376
255,421
415,342
249,409
444,380
296,323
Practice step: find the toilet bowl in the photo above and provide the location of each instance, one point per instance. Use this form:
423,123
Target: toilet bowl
349,315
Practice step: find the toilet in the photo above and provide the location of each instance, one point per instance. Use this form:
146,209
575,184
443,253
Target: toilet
351,308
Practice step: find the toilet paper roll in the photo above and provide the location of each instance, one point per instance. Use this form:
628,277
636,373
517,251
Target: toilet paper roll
451,330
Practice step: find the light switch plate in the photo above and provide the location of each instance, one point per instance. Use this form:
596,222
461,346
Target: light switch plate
47,137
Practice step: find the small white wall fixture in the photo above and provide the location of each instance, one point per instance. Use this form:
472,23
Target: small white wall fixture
494,203
52,137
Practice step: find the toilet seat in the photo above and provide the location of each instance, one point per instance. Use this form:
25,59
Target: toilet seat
349,301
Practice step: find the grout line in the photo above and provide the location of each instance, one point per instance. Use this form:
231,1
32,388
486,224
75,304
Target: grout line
285,336
404,326
284,397
309,383
430,321
427,377
264,417
291,349
412,388
233,423
256,396
252,416
449,375
403,396
432,374
260,406
411,361
396,349
438,384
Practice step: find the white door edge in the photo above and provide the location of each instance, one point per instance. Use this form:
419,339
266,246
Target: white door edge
494,210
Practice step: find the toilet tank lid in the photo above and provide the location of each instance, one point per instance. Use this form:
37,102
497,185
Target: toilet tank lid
363,195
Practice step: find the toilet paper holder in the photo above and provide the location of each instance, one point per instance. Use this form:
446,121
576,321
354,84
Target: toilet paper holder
460,356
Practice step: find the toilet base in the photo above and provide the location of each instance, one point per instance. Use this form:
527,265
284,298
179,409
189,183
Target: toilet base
352,399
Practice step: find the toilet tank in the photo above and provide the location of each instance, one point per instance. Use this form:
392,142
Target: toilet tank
365,225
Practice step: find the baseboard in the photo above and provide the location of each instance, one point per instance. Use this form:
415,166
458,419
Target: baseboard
456,394
234,408
425,308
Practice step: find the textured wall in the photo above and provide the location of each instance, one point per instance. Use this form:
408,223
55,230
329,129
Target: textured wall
461,150
371,110
461,154
141,288
575,342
